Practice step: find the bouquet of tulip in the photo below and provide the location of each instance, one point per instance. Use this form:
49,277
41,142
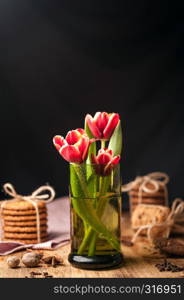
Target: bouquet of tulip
92,173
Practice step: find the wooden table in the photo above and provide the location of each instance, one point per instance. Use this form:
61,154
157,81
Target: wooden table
139,262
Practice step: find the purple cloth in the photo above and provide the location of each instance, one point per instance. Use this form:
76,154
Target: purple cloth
58,229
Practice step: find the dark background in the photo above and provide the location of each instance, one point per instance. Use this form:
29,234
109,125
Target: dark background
62,59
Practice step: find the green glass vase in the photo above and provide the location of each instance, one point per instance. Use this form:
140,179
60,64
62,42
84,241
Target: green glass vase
95,217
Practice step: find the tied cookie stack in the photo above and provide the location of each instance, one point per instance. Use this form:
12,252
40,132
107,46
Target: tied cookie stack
156,221
150,189
24,218
20,222
149,220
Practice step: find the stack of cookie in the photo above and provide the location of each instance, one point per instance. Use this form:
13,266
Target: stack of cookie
142,197
154,216
149,214
19,221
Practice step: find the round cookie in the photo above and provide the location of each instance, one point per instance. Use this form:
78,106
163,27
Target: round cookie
26,241
157,194
20,235
22,212
134,205
20,221
25,223
22,205
149,214
147,195
148,200
24,218
25,229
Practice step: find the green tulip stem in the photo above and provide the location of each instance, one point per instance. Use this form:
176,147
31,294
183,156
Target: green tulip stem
87,213
102,144
91,235
79,170
82,180
92,246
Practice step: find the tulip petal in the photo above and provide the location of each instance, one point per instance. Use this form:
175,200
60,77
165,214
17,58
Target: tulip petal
102,120
81,131
111,125
59,141
72,137
83,145
104,158
71,154
101,151
97,115
109,151
106,150
92,126
115,160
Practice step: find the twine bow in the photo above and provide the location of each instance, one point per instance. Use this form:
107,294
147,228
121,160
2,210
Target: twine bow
155,180
34,199
177,209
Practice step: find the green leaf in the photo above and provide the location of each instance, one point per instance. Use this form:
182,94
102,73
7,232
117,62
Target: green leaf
87,213
115,143
92,181
75,186
89,169
76,190
92,148
87,130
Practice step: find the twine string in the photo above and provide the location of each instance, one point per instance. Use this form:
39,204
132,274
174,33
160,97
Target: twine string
155,180
44,192
176,210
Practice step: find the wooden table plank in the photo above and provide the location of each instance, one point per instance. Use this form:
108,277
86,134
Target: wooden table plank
139,262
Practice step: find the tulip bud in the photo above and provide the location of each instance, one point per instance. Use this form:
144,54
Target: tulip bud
103,124
74,148
104,161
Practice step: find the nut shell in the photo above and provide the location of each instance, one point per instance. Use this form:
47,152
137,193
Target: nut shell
13,261
31,259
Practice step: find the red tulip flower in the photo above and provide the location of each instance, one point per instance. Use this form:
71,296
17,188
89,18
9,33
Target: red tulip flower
74,148
103,124
104,161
